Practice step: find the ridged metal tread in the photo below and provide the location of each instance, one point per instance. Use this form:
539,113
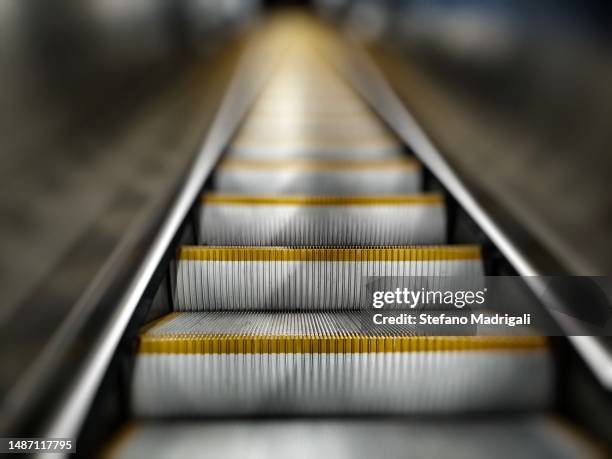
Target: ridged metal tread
312,278
326,221
243,363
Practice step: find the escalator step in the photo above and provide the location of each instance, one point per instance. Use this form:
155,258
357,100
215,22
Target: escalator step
266,220
318,126
279,278
534,437
309,148
322,177
215,363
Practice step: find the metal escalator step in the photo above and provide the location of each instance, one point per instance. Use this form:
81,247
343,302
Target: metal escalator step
323,177
314,103
279,101
358,131
347,149
528,437
215,363
280,278
321,127
266,220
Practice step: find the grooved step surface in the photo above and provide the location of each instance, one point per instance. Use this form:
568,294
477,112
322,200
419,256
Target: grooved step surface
299,176
418,383
322,363
382,147
314,332
264,220
278,278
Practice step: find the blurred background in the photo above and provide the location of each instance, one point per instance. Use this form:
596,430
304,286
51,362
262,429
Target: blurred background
103,104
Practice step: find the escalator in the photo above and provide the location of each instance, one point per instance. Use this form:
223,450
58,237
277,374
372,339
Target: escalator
236,320
253,345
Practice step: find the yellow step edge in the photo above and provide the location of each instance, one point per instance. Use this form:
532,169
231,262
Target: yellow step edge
415,253
300,200
320,165
330,344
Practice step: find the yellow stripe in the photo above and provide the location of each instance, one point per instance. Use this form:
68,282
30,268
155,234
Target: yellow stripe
241,199
320,165
415,253
329,344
